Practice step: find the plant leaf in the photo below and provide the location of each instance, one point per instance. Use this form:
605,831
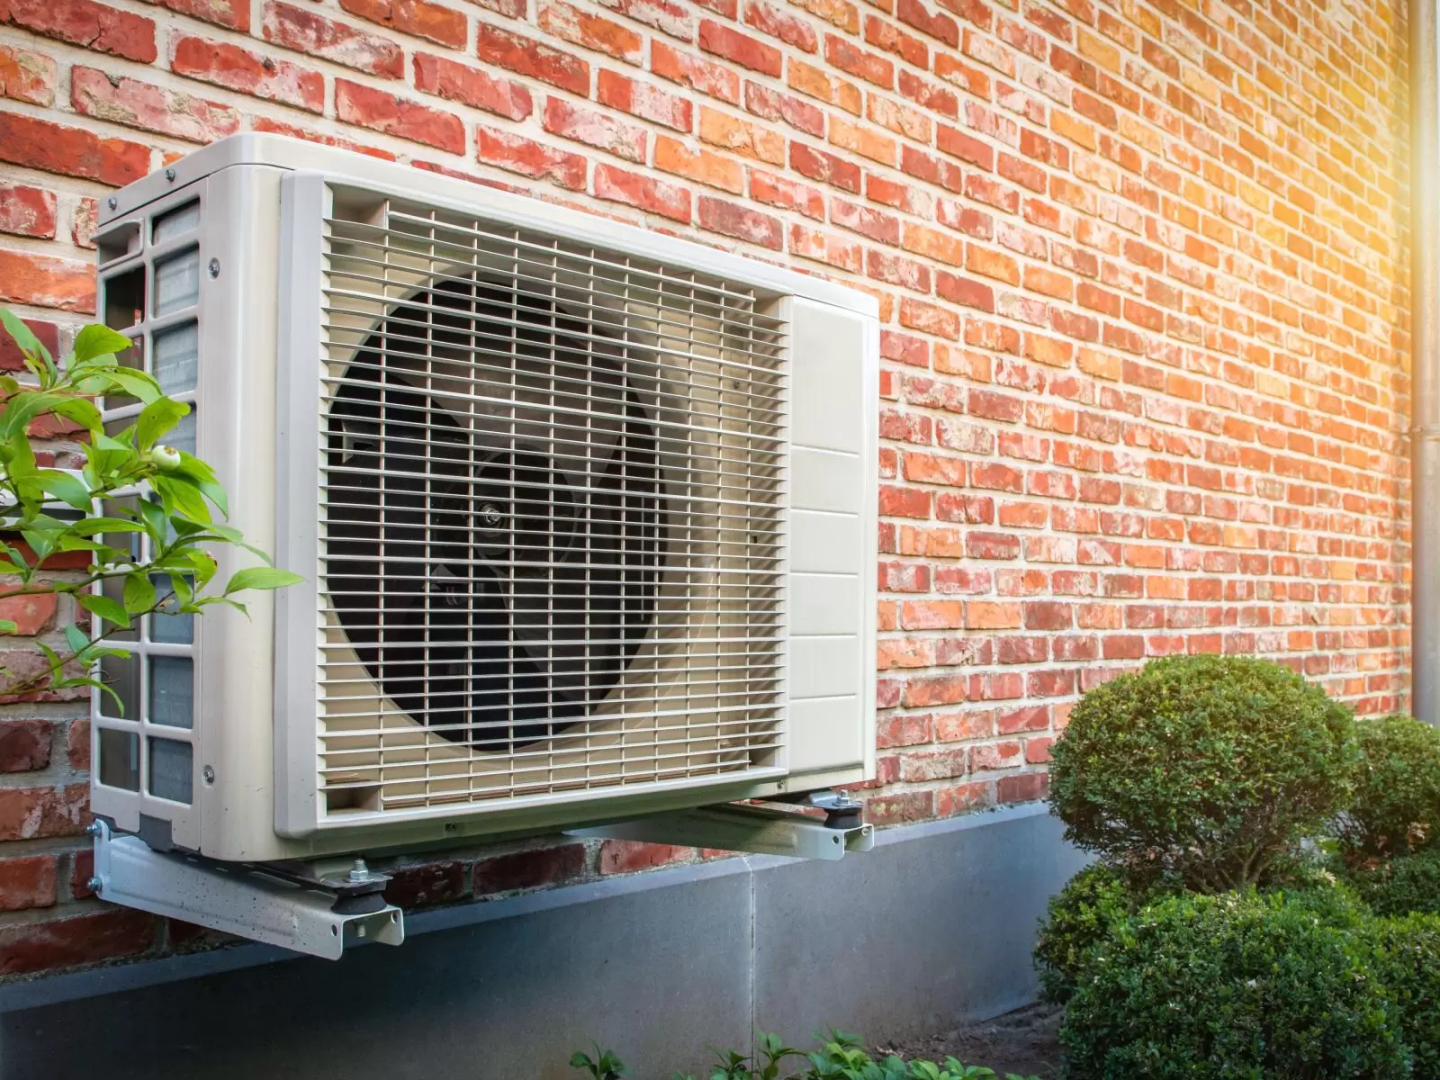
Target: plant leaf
95,340
103,606
155,419
139,593
261,577
8,627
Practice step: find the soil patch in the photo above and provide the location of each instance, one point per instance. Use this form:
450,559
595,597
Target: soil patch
1023,1042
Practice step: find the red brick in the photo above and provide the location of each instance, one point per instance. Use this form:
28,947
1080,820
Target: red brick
86,23
45,281
530,58
27,948
1025,787
471,86
233,14
673,17
702,166
642,192
40,812
27,76
596,129
384,112
529,869
590,31
538,161
425,886
27,882
239,69
739,48
741,222
27,211
305,31
628,856
150,108
647,102
276,127
780,24
434,22
39,144
46,332
825,168
705,76
24,745
865,65
77,745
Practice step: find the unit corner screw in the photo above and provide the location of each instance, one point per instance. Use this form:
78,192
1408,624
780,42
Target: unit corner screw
214,268
93,829
208,774
112,202
170,175
95,884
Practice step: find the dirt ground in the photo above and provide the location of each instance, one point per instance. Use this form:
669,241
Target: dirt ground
1022,1042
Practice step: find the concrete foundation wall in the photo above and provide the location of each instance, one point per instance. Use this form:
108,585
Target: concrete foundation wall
931,928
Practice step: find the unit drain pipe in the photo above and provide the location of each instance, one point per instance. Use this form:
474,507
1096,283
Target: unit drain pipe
1425,362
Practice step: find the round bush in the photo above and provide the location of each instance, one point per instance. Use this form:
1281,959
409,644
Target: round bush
1409,951
1241,986
1396,805
1077,917
1209,769
1397,887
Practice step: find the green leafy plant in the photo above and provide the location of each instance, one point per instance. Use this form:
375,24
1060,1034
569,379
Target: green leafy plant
1409,951
1399,886
1077,917
144,487
1207,770
840,1056
1396,805
603,1066
1278,986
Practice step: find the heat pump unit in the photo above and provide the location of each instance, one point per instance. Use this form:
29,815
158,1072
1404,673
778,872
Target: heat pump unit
585,512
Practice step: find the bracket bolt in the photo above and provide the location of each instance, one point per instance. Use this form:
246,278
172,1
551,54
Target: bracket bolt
95,884
93,829
359,872
112,202
170,175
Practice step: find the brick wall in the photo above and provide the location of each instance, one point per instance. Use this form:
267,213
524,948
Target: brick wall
1142,268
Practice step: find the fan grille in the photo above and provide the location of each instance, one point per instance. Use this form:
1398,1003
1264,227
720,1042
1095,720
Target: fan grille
551,516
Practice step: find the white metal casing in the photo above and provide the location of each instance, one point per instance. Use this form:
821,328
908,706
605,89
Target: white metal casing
254,779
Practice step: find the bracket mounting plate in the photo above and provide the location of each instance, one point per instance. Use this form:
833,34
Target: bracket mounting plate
740,827
238,899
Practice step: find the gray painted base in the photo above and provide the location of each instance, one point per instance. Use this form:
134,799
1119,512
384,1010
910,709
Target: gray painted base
932,928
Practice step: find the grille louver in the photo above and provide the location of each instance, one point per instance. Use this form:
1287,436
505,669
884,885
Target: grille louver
552,538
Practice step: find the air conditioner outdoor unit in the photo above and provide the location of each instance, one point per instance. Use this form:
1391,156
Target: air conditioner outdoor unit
586,513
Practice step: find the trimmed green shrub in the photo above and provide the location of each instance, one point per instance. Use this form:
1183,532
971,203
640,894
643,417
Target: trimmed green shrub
1077,917
1396,887
1241,986
1410,968
1207,769
1396,805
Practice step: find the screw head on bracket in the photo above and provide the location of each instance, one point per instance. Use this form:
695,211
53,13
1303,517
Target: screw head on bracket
94,828
170,175
95,884
112,202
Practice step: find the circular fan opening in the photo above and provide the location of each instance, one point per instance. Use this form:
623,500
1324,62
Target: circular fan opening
495,532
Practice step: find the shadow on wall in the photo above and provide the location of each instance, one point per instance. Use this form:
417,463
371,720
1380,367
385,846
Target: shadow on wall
932,928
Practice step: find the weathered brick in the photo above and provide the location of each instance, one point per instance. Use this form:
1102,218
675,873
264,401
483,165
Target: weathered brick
529,869
239,69
471,86
27,211
527,57
590,31
68,151
27,882
596,129
418,18
642,192
93,25
305,31
538,161
384,112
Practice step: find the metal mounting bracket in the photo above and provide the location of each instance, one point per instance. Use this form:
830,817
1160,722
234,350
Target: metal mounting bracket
283,905
759,829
